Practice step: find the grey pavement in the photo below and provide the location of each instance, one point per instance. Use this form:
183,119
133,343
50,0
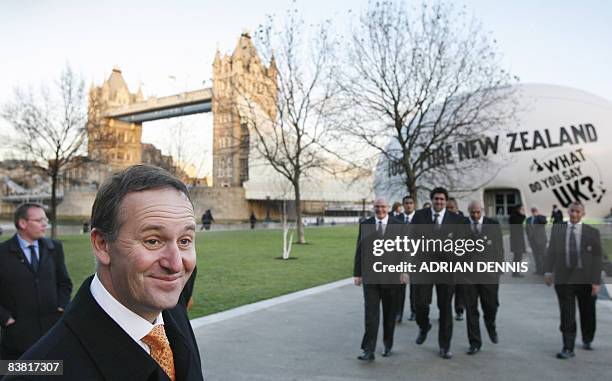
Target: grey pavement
317,337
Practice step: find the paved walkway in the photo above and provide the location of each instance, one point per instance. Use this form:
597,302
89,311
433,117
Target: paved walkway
316,336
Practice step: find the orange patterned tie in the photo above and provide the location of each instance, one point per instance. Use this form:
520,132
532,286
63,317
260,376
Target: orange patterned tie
160,349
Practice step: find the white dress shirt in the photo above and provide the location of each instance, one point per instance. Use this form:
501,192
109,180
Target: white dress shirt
440,215
408,217
384,223
25,247
134,325
578,235
478,223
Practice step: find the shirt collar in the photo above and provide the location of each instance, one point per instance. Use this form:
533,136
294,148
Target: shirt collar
579,224
384,220
25,245
440,213
134,325
479,221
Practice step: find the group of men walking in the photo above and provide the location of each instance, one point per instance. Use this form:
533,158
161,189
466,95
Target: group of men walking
573,255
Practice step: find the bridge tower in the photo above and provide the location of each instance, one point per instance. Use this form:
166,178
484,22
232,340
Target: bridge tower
112,141
236,77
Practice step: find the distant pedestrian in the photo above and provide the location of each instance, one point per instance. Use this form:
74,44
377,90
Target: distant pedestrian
556,215
207,220
253,220
517,235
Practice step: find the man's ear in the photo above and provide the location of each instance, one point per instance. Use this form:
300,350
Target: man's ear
21,223
100,246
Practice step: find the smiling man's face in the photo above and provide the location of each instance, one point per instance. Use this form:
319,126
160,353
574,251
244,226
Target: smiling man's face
154,254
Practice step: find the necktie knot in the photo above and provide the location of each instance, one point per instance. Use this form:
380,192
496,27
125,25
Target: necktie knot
160,349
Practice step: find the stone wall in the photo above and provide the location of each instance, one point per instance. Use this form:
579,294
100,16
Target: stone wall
76,203
226,204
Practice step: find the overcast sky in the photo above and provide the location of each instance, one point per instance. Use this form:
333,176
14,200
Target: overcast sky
557,42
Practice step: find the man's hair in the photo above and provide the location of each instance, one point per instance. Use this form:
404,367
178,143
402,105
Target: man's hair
408,196
137,178
22,211
473,204
437,191
577,204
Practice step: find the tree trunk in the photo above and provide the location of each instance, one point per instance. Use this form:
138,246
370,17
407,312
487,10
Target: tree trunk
298,211
53,210
412,190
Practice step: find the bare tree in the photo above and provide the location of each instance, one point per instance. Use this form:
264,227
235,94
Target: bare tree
420,84
290,139
50,127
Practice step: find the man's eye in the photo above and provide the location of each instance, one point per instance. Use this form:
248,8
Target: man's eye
152,242
185,242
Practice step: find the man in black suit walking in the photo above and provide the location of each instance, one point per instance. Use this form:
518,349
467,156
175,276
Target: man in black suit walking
436,223
125,323
379,226
483,286
536,235
34,283
407,216
574,256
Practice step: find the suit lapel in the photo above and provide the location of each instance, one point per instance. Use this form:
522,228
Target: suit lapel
15,249
180,349
43,252
115,354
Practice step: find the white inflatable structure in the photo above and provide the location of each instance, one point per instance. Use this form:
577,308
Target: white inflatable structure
560,151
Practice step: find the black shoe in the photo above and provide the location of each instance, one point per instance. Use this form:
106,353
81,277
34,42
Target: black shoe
446,354
422,335
494,338
587,346
412,317
565,354
473,350
366,356
387,352
459,317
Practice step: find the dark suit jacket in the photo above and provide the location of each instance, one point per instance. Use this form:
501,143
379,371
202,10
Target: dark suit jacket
366,235
517,232
491,235
30,298
536,231
94,347
453,227
590,254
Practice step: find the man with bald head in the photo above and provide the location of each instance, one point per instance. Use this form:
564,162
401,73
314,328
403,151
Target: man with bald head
379,226
125,323
483,286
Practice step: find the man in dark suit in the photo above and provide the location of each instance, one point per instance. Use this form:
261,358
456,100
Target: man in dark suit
536,235
407,216
483,286
574,255
436,223
125,322
381,226
34,284
459,300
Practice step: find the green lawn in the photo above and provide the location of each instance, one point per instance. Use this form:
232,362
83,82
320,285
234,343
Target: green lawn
239,267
